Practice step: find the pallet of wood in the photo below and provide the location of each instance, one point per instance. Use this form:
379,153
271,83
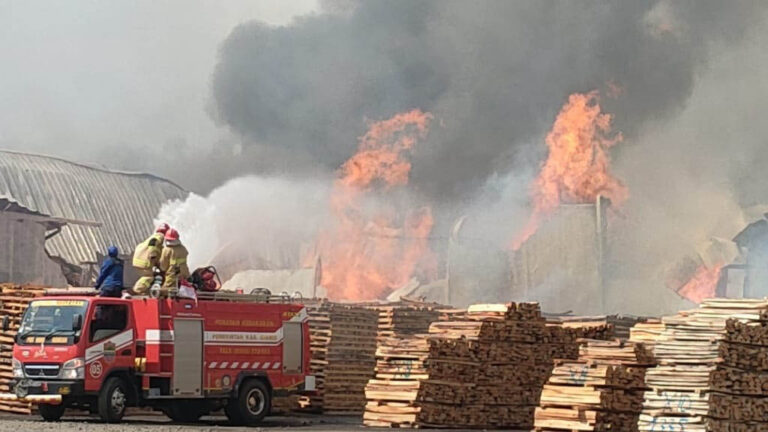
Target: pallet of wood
402,348
601,391
14,300
488,370
713,370
343,348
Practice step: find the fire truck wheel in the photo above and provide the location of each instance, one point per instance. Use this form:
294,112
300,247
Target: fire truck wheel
51,412
112,400
251,405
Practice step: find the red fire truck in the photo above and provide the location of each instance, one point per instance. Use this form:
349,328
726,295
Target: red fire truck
184,357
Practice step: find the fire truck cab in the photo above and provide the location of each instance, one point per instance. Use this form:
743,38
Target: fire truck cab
183,357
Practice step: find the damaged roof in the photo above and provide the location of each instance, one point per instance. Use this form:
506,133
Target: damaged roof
104,207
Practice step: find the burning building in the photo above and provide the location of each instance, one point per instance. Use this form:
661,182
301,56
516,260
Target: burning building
562,263
59,217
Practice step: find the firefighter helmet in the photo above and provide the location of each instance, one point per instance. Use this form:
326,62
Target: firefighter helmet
171,235
163,228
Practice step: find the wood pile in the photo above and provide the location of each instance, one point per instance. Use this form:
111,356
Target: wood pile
647,332
14,300
343,347
622,324
400,321
713,370
401,351
601,391
488,370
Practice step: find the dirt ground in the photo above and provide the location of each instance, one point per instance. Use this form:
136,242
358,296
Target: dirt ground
19,423
159,423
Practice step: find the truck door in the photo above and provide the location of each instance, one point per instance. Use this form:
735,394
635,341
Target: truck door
187,357
110,342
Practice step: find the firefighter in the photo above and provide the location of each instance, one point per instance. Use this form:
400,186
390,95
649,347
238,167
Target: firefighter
173,260
110,281
146,257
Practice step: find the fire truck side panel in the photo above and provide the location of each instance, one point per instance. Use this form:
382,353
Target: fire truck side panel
247,340
239,340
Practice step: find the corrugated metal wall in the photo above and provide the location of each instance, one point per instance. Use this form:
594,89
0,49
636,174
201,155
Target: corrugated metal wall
22,253
561,264
477,273
124,203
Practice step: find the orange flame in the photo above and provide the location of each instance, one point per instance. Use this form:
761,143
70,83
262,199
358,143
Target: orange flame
577,168
373,249
703,284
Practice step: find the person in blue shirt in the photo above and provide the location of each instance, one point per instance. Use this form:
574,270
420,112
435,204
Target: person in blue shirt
110,281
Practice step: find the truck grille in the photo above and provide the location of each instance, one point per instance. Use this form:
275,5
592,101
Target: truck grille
41,370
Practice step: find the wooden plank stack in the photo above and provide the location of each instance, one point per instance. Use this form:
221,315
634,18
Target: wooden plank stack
647,332
488,370
343,347
404,320
713,370
621,323
401,351
14,300
601,391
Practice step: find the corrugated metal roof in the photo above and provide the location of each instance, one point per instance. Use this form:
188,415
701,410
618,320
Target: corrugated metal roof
125,203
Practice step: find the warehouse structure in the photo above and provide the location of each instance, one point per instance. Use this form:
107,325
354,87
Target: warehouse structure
56,211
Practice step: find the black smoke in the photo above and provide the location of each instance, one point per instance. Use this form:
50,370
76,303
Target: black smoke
494,74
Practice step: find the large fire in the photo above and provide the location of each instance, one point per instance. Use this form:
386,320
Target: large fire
374,246
703,284
577,168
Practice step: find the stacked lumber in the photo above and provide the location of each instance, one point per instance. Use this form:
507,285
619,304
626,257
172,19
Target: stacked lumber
401,351
399,320
601,391
622,324
488,370
14,300
713,370
647,332
343,348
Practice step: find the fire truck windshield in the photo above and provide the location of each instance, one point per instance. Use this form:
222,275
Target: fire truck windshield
53,319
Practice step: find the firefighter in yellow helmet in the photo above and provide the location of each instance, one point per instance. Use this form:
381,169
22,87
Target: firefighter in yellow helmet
173,260
146,257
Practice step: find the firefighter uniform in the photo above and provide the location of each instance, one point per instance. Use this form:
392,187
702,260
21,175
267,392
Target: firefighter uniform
146,256
173,262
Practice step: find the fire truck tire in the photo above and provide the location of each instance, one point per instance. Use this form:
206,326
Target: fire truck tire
251,405
51,412
113,399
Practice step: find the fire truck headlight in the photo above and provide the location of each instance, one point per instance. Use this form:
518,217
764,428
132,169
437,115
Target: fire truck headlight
18,371
73,369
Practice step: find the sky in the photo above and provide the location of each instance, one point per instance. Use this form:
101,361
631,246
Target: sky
81,77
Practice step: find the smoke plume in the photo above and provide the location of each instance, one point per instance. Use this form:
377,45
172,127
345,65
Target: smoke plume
493,72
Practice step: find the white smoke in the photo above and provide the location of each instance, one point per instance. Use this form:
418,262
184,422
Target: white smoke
265,220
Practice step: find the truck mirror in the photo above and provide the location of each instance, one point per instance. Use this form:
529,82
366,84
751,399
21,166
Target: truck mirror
6,323
77,322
